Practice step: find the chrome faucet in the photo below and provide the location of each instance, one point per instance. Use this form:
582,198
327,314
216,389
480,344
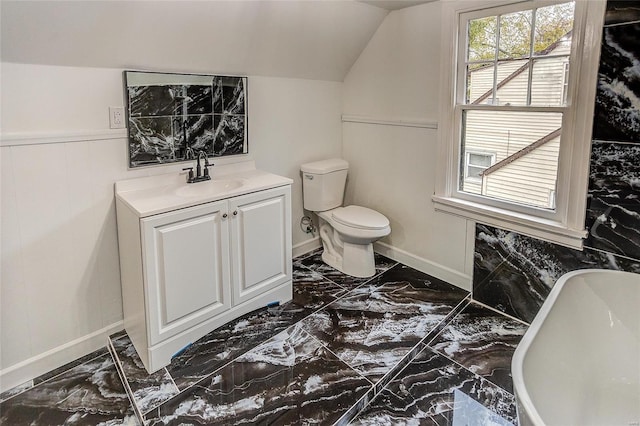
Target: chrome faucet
200,175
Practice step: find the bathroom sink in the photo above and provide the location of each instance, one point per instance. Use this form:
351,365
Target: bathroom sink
211,187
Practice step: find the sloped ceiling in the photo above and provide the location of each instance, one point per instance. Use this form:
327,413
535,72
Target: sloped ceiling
395,4
298,39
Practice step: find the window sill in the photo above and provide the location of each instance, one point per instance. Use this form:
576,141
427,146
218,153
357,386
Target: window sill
544,229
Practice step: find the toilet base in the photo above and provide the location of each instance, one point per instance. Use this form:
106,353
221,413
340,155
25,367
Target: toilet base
357,260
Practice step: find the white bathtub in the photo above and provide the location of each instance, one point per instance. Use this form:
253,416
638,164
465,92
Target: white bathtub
579,361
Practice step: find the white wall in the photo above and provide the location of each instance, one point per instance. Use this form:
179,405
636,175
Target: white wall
392,168
60,283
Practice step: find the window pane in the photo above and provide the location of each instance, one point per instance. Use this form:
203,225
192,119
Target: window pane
512,82
474,172
480,83
553,26
515,35
526,147
479,160
548,81
482,39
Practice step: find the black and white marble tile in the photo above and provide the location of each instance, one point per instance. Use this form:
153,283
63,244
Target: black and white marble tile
617,115
312,291
488,253
613,211
151,141
88,394
10,393
433,390
155,100
268,367
198,99
233,95
199,133
214,116
229,134
521,283
147,390
289,379
483,341
621,11
315,263
225,343
373,327
203,357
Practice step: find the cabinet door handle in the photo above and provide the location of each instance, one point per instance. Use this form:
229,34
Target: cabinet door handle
224,215
235,212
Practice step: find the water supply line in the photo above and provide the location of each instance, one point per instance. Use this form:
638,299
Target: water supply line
307,226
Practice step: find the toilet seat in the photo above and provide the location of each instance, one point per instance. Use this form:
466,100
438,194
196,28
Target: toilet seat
360,217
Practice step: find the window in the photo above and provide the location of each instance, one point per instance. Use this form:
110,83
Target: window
513,154
476,163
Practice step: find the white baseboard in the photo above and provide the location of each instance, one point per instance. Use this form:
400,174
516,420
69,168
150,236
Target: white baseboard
57,357
306,246
428,267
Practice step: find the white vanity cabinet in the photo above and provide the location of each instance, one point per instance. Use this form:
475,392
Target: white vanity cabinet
187,271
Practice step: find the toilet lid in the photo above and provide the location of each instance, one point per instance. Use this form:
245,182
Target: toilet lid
360,217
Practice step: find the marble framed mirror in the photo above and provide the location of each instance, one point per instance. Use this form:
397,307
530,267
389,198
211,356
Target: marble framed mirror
172,117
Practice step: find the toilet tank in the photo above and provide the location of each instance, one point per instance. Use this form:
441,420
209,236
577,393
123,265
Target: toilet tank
323,184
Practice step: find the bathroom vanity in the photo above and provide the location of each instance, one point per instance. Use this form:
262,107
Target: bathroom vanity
195,256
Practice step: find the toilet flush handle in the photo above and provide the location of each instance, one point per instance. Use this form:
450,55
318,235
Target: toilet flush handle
310,177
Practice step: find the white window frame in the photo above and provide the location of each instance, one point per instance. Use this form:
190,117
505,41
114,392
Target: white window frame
565,82
565,224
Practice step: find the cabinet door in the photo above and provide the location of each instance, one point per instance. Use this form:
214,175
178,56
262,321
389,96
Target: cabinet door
260,242
186,264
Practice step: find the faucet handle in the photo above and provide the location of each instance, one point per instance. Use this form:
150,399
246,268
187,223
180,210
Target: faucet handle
206,167
190,179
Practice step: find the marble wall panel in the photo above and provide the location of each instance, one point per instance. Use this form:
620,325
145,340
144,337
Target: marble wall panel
617,117
520,283
613,211
621,11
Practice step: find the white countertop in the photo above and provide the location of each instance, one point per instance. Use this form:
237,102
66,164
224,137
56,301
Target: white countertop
153,195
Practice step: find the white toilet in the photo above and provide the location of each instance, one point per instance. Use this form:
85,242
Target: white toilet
347,233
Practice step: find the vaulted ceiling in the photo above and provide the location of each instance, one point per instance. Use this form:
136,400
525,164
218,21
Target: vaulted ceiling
298,39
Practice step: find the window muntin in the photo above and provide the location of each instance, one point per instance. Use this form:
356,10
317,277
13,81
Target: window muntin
514,102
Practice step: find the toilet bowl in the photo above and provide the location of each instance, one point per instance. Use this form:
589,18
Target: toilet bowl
347,233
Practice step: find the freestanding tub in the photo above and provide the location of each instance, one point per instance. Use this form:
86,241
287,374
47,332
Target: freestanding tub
579,361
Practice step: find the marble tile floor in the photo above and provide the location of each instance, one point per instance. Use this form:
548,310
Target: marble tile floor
400,348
